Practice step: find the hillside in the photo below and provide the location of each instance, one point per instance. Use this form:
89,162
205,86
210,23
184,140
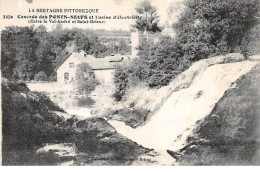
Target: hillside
186,101
141,102
33,134
208,115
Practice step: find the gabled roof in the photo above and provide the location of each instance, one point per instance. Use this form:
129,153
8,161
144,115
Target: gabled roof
95,63
63,60
98,63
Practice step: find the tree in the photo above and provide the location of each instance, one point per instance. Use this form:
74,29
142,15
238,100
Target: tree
27,50
7,53
45,55
121,78
41,76
164,64
85,79
155,71
18,50
206,28
41,29
150,19
212,27
174,11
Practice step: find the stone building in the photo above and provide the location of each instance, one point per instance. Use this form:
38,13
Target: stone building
102,67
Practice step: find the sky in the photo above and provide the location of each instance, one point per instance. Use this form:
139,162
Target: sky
106,7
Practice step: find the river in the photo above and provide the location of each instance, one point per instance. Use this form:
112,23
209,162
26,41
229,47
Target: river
73,105
60,95
169,128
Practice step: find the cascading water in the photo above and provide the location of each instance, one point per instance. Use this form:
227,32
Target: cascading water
174,121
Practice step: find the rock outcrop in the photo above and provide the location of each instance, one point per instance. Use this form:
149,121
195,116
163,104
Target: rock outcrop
230,134
34,135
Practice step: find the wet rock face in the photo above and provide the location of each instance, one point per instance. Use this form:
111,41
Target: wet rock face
130,116
34,135
27,116
230,135
28,123
99,143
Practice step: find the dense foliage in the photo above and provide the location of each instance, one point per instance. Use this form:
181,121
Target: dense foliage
85,79
150,19
212,27
205,28
121,77
164,63
41,76
27,51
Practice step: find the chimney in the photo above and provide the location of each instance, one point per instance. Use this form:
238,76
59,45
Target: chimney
134,43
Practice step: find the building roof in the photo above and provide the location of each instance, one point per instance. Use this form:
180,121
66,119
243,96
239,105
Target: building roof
115,58
99,63
62,61
108,62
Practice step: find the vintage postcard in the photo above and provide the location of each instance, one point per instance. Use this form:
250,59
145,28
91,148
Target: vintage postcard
130,82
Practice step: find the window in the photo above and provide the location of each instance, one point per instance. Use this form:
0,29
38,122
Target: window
66,76
71,65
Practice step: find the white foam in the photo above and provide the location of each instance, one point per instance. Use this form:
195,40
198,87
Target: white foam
179,113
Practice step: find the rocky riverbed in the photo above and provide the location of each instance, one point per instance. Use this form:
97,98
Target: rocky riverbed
33,134
208,115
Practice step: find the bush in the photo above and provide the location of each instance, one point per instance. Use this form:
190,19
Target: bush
85,79
159,69
165,62
53,76
40,76
121,78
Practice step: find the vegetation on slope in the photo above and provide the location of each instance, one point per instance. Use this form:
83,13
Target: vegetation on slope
205,29
29,53
30,122
140,103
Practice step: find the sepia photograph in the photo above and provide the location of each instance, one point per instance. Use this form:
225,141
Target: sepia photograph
130,82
